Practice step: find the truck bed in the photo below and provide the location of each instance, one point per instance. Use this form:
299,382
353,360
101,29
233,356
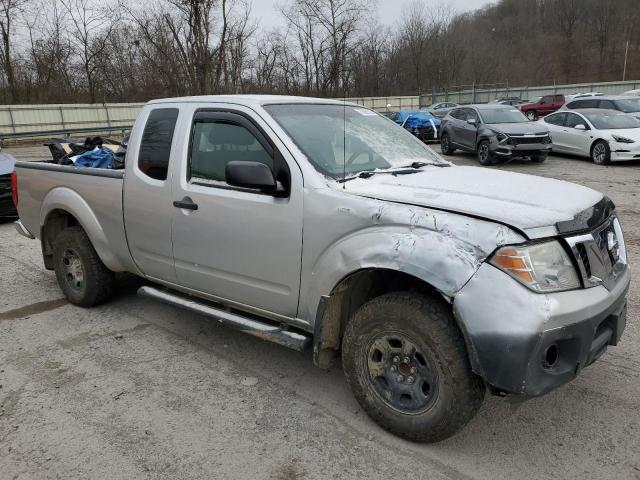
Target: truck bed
93,195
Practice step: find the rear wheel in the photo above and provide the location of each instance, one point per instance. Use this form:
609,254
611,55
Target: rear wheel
532,115
484,153
445,145
82,276
407,365
601,153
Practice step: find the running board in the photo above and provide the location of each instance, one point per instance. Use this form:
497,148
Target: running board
265,331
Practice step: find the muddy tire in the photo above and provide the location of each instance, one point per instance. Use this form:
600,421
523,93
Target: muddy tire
407,365
445,145
82,276
601,153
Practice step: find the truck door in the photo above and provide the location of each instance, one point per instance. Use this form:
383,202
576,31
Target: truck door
238,245
147,191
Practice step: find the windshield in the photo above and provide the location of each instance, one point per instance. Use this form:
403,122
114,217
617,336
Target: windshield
502,115
535,99
612,121
325,133
628,105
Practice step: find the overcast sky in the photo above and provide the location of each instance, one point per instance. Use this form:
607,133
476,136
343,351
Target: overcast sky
389,11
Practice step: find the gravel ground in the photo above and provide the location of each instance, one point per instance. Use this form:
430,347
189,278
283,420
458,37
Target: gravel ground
135,389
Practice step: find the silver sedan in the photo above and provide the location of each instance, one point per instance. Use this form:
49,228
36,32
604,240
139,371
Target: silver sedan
605,136
441,109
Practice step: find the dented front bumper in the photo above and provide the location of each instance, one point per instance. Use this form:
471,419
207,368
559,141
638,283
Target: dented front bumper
528,343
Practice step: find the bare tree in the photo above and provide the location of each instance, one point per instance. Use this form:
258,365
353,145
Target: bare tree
49,51
90,28
9,11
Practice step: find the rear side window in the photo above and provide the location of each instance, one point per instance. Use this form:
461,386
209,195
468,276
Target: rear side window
583,104
608,104
155,147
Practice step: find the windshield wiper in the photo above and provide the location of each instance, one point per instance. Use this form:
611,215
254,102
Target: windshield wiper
406,170
418,165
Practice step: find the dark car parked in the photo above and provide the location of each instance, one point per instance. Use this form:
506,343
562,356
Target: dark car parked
496,133
7,208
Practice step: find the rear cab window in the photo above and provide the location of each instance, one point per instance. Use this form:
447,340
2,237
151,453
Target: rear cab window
155,146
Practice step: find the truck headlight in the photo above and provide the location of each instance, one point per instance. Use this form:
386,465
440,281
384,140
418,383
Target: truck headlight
542,267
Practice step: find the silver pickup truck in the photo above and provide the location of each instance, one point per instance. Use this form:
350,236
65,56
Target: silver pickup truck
312,222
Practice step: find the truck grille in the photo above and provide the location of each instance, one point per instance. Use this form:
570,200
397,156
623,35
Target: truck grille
584,258
600,255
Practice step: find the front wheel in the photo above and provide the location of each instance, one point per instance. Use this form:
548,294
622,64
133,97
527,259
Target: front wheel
445,145
601,153
532,116
407,366
82,276
484,153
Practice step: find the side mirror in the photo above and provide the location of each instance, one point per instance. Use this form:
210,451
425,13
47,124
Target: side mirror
254,175
472,121
580,126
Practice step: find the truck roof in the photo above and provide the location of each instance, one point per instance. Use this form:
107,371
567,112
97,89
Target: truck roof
250,100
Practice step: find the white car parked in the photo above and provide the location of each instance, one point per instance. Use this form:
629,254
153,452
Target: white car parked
584,95
603,135
635,93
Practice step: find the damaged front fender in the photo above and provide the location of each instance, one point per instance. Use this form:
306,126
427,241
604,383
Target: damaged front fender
351,233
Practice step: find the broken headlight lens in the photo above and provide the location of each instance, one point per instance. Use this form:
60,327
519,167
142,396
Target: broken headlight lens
543,267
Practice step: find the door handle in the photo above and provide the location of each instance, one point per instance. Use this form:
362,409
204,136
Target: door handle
186,203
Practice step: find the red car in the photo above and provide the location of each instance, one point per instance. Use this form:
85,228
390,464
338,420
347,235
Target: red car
541,106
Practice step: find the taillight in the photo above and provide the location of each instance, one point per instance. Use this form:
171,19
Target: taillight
14,188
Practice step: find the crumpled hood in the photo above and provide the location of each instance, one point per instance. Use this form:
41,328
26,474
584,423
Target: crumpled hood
519,200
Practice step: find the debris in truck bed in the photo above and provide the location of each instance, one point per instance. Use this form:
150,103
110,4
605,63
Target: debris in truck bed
66,151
